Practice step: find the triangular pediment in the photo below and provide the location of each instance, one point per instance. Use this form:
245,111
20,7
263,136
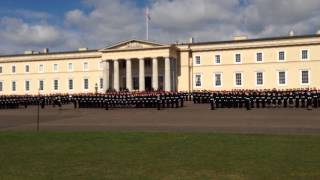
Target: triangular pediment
133,44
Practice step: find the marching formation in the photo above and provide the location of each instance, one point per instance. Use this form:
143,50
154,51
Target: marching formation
302,98
259,99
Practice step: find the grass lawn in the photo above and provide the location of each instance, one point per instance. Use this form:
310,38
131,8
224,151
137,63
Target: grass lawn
133,155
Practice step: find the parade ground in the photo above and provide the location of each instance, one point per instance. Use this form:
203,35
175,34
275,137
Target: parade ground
191,118
184,143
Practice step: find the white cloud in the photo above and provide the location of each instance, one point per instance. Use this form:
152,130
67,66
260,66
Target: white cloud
110,21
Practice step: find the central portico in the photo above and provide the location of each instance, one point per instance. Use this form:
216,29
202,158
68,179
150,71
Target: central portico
139,65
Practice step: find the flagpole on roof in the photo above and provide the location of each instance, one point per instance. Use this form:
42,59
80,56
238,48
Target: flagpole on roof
147,14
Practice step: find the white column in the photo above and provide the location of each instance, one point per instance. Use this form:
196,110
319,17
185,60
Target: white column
116,75
155,75
167,71
128,75
141,75
106,75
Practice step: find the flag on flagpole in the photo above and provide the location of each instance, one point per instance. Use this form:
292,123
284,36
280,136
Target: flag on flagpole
148,14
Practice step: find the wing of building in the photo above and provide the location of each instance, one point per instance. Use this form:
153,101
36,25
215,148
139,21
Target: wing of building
281,63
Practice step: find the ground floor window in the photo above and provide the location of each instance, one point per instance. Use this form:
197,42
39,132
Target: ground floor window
1,86
70,84
14,87
218,79
198,80
101,83
86,84
282,78
304,77
41,85
55,84
27,85
238,79
259,78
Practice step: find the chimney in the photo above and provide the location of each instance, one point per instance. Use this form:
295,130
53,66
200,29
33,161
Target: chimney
46,50
291,33
83,49
191,40
28,52
239,38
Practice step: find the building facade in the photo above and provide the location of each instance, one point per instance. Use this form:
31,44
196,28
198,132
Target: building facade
281,63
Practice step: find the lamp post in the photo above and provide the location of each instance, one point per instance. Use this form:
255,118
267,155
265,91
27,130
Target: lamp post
96,88
38,111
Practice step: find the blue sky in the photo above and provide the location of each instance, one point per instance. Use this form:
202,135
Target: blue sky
70,24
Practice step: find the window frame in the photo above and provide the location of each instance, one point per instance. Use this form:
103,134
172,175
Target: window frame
84,84
39,69
308,54
256,78
2,86
256,57
25,85
284,56
15,86
84,69
214,79
309,75
195,60
25,68
195,80
235,58
58,85
215,59
72,67
53,67
39,85
278,77
235,79
15,69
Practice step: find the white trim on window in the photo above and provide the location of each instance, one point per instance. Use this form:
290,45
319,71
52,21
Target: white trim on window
2,86
39,68
214,79
256,78
285,56
195,60
309,77
70,68
42,84
278,77
53,84
68,84
15,69
84,66
25,68
235,58
235,79
305,49
54,66
215,58
83,84
15,86
195,80
256,57
25,85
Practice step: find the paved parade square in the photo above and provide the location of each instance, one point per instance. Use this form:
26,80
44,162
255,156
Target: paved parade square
191,118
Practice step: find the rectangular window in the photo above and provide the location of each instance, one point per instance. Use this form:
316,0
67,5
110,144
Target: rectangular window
86,84
55,68
217,59
305,54
259,57
282,78
101,83
55,84
238,79
218,79
70,67
27,68
281,56
259,78
70,84
27,86
41,68
1,70
85,66
14,85
13,69
41,85
1,86
198,80
238,58
304,77
198,60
